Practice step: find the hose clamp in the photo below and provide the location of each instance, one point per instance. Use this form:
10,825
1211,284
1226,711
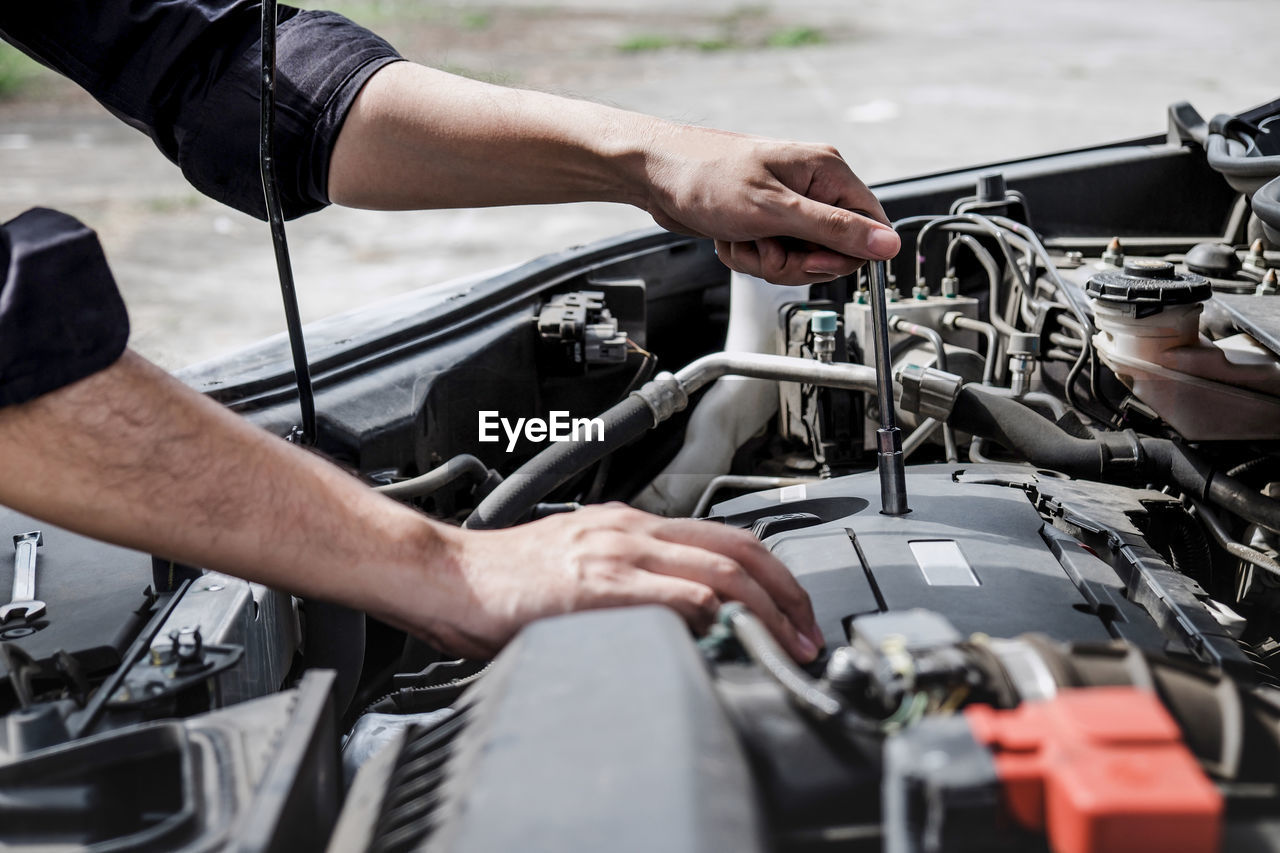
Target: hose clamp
1121,451
664,395
928,391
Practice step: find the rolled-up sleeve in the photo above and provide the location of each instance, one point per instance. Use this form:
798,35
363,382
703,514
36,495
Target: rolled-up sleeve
186,72
61,315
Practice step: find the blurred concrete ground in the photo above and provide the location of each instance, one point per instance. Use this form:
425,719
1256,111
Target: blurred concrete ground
900,87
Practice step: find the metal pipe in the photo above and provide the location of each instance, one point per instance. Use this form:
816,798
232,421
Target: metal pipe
956,320
919,436
893,476
703,371
739,481
985,227
643,409
901,324
993,277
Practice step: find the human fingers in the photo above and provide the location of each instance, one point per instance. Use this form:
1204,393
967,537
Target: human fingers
787,259
724,551
696,602
835,228
774,261
820,173
611,570
729,581
750,553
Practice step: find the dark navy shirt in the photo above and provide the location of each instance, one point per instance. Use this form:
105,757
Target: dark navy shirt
186,73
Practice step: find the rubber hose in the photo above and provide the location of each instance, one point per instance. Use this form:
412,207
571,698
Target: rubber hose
1021,429
1178,465
462,465
511,501
1046,445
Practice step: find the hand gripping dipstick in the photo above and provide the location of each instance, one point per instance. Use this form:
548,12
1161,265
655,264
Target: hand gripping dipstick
23,601
893,477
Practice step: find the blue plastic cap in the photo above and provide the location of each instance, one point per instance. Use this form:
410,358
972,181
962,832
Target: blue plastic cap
823,321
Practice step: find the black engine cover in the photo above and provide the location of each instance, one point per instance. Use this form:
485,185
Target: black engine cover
978,547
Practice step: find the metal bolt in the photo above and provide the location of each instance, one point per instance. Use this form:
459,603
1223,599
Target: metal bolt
1257,257
950,285
187,643
1114,253
1269,286
1024,347
824,324
844,670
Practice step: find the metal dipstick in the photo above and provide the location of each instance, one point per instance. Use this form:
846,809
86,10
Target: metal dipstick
893,476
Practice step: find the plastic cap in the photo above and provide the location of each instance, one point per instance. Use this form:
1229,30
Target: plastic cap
1213,259
823,321
1149,268
991,187
1149,282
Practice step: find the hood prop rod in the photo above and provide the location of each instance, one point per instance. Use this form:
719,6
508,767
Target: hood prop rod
306,433
889,460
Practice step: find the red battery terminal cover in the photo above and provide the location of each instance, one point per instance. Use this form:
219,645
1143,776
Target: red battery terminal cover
1101,770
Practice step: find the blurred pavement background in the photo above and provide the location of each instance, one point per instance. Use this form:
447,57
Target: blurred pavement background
900,87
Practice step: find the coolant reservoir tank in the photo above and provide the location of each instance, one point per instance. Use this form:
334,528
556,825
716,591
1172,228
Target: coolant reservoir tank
1149,307
1148,319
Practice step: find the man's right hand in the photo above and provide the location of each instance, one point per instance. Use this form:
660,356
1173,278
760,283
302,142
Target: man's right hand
788,212
604,556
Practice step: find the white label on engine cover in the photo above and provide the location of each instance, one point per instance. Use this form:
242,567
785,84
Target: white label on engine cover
791,493
941,563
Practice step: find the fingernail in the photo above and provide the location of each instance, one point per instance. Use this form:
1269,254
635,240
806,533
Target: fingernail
883,243
827,275
808,651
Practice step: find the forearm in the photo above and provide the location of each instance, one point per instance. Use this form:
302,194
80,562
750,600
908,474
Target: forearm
420,138
792,213
132,456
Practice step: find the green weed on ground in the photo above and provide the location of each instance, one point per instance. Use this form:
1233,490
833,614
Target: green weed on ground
18,72
739,30
647,42
796,37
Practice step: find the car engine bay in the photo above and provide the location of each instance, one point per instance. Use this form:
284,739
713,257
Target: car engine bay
1059,631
